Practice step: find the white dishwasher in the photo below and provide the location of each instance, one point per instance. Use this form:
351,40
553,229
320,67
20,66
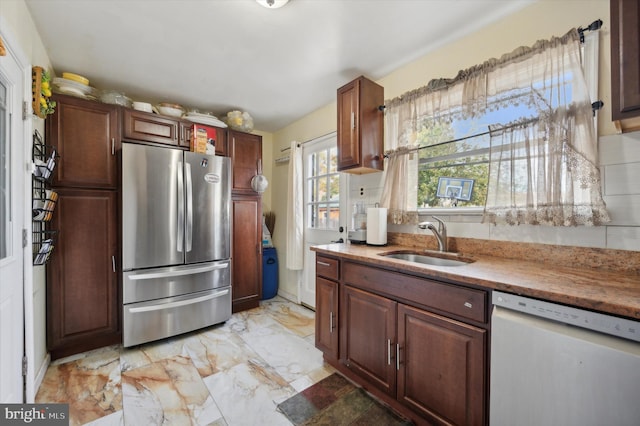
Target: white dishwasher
558,365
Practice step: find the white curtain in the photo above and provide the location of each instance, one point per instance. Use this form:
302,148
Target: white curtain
546,83
537,176
401,166
295,210
544,171
397,196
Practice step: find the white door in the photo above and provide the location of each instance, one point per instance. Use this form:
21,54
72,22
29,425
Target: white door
11,223
325,201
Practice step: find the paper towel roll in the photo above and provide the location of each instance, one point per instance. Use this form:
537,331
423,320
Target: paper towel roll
377,226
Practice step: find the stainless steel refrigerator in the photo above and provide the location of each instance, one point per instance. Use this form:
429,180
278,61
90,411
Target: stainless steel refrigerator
175,242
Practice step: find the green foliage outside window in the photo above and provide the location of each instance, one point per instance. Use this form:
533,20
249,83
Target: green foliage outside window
466,159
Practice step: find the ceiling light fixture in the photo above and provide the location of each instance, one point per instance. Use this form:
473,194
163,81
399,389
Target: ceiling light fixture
272,4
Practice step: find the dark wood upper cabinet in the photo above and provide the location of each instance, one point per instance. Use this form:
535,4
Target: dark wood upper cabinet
149,127
86,135
625,59
246,153
360,127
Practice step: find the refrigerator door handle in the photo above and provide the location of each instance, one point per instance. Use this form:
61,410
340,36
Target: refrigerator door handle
189,218
180,242
177,273
170,305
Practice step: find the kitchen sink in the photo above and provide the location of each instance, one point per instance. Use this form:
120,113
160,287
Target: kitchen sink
429,257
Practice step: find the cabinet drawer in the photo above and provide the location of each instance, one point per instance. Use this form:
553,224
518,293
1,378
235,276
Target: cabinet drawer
447,298
327,267
144,126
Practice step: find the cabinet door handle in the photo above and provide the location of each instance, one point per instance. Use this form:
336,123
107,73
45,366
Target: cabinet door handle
322,263
353,120
330,322
180,223
113,263
397,356
188,235
388,351
113,146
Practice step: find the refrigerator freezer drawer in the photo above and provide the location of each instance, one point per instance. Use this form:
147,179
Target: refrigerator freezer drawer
157,283
147,321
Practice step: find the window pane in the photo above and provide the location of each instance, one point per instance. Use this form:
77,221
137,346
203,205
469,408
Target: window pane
322,163
322,216
333,161
334,187
466,159
322,189
312,190
333,216
312,215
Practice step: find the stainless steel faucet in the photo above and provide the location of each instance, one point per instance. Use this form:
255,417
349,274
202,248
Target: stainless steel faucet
440,232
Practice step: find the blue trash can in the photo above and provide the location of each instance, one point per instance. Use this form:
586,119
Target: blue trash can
269,272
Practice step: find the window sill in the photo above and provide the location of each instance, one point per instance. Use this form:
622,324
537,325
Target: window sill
455,211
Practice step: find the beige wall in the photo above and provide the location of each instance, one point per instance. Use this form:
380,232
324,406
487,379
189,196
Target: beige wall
16,21
541,20
20,24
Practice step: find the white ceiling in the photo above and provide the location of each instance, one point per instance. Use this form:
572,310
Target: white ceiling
220,55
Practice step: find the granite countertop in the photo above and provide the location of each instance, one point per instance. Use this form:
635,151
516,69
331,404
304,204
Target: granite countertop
616,293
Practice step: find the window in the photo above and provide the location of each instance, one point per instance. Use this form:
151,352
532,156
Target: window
455,153
323,187
449,162
513,136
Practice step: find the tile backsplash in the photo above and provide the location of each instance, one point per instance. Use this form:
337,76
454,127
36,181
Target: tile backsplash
545,254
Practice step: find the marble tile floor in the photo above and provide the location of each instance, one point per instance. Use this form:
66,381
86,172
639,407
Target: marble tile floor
231,374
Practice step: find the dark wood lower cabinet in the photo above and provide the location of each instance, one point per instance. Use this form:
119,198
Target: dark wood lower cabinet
432,364
83,298
441,367
369,337
326,336
428,366
246,278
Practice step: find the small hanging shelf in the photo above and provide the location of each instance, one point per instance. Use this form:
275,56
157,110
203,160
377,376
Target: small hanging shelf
43,199
41,103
